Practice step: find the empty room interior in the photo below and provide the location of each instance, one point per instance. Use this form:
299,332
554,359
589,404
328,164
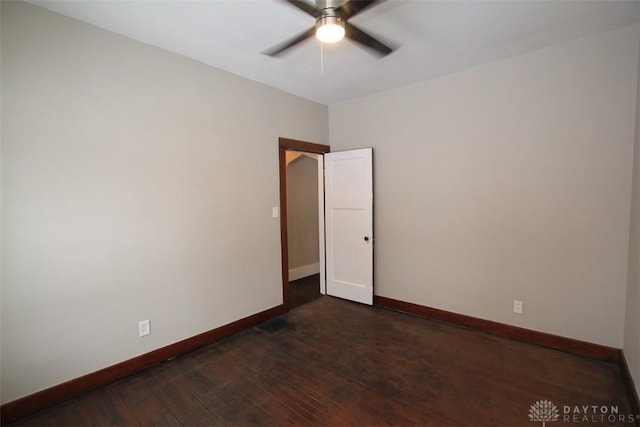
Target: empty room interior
455,186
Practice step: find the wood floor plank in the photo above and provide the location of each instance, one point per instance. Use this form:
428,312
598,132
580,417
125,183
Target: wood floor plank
265,382
138,393
180,396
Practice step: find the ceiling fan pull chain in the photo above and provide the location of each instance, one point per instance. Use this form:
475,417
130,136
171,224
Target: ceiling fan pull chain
321,59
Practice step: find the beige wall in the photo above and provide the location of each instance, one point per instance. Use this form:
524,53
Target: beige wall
632,320
302,211
136,184
511,180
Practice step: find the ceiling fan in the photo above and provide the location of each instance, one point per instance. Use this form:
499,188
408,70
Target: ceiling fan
332,25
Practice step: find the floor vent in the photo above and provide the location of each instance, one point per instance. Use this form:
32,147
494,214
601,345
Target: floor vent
274,326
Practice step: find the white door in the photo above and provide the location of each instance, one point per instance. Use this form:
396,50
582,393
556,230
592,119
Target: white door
321,234
349,224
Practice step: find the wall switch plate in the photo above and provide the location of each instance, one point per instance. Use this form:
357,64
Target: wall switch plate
275,212
144,328
517,307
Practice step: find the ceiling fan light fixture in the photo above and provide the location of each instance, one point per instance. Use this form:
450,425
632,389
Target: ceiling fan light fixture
329,29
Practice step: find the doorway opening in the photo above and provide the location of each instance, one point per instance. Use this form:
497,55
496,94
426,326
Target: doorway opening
300,261
303,227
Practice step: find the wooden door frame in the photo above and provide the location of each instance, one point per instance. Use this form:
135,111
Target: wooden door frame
284,145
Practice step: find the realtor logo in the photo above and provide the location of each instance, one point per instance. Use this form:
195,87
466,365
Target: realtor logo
543,411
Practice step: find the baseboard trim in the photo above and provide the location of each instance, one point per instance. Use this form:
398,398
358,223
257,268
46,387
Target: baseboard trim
630,385
33,403
569,345
304,271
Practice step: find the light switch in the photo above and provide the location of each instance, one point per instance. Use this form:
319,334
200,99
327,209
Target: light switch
275,212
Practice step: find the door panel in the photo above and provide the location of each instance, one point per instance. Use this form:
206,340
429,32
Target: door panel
348,258
349,224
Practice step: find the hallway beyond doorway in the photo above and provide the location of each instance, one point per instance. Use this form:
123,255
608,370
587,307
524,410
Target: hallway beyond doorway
305,290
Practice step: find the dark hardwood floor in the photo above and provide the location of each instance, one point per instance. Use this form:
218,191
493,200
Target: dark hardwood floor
343,363
304,290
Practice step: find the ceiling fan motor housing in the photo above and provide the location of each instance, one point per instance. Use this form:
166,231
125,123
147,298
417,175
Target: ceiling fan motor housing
330,18
329,4
329,26
329,14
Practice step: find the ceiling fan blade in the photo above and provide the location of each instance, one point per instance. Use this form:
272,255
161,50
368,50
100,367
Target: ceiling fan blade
278,49
306,7
357,35
353,7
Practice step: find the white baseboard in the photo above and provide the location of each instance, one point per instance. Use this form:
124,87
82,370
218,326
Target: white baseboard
304,271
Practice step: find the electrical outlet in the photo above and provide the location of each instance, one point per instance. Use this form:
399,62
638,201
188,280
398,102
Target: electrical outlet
144,328
517,306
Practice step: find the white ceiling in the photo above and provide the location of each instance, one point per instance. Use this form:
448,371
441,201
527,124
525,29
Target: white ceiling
432,37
